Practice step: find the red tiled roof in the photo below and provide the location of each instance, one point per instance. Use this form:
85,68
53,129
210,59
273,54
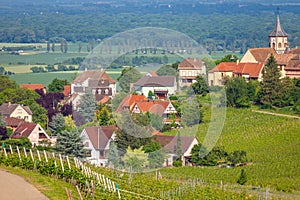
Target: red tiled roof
24,130
100,135
262,54
155,107
12,121
190,63
32,86
104,100
129,100
67,90
95,75
295,51
169,143
253,69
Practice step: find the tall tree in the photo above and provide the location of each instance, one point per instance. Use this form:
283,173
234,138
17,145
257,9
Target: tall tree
70,143
178,146
48,46
128,75
113,156
200,86
53,47
6,83
271,84
237,92
58,124
87,106
57,85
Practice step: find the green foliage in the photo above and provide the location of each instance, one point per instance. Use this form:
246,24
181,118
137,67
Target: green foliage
156,156
69,143
227,58
113,156
271,83
237,157
135,159
6,83
22,142
166,70
87,106
237,93
243,178
128,75
69,122
37,69
104,115
190,112
18,95
2,122
57,85
177,163
58,124
200,86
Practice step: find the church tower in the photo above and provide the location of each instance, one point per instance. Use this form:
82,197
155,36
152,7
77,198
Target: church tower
278,38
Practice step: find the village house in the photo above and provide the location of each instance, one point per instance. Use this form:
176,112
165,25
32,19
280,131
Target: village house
96,140
34,132
169,146
34,87
17,111
189,69
98,82
161,86
251,65
140,104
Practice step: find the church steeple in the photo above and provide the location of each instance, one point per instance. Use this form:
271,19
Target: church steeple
278,37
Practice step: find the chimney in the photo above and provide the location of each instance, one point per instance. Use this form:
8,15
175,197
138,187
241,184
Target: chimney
237,61
9,103
85,69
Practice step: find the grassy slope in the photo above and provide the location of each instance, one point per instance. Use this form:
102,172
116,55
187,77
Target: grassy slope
272,144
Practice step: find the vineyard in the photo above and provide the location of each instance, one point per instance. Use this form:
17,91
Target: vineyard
271,143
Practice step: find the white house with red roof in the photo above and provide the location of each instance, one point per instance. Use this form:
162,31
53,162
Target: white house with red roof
96,140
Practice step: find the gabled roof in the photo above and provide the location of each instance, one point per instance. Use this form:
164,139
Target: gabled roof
278,30
160,81
32,86
261,55
67,90
7,108
169,143
252,69
12,121
24,129
100,135
94,75
191,63
129,100
155,107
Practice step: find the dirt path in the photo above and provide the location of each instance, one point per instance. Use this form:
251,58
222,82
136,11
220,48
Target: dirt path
276,114
13,187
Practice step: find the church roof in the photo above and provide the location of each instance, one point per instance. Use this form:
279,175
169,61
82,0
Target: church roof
278,31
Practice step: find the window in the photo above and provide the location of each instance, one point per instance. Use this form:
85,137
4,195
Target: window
273,45
279,45
88,153
212,83
19,111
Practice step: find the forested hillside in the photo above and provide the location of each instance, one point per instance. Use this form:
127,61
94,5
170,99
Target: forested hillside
230,25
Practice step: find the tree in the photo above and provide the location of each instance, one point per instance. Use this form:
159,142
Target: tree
135,159
113,156
200,86
53,47
128,75
58,124
227,58
156,156
104,115
271,83
237,157
48,46
166,70
57,85
178,146
69,143
190,112
87,106
237,92
6,83
243,178
69,122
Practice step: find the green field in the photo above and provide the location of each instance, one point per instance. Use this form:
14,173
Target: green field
272,144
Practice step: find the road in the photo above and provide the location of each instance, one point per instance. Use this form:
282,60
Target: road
13,187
